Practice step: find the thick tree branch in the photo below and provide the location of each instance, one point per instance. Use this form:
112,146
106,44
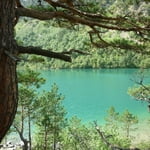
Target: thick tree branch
42,52
97,16
94,21
76,19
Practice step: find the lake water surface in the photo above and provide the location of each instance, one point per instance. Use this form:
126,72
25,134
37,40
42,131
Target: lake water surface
90,93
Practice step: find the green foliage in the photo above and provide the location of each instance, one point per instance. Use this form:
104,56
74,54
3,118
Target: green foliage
140,93
85,137
145,63
47,106
26,96
30,78
25,108
144,145
28,82
36,59
45,35
50,118
112,119
76,135
128,120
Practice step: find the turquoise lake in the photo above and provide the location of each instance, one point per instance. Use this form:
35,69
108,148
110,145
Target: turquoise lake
89,93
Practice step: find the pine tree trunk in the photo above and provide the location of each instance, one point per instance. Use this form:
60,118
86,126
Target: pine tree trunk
8,80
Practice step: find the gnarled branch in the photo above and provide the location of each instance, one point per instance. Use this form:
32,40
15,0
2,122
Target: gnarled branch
75,19
95,21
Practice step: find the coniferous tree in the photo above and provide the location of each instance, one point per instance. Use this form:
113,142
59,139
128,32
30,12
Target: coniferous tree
50,119
28,82
128,120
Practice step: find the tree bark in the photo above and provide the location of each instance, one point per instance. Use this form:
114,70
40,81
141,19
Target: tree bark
8,78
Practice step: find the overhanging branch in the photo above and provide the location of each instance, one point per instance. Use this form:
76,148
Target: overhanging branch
42,52
76,19
97,22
